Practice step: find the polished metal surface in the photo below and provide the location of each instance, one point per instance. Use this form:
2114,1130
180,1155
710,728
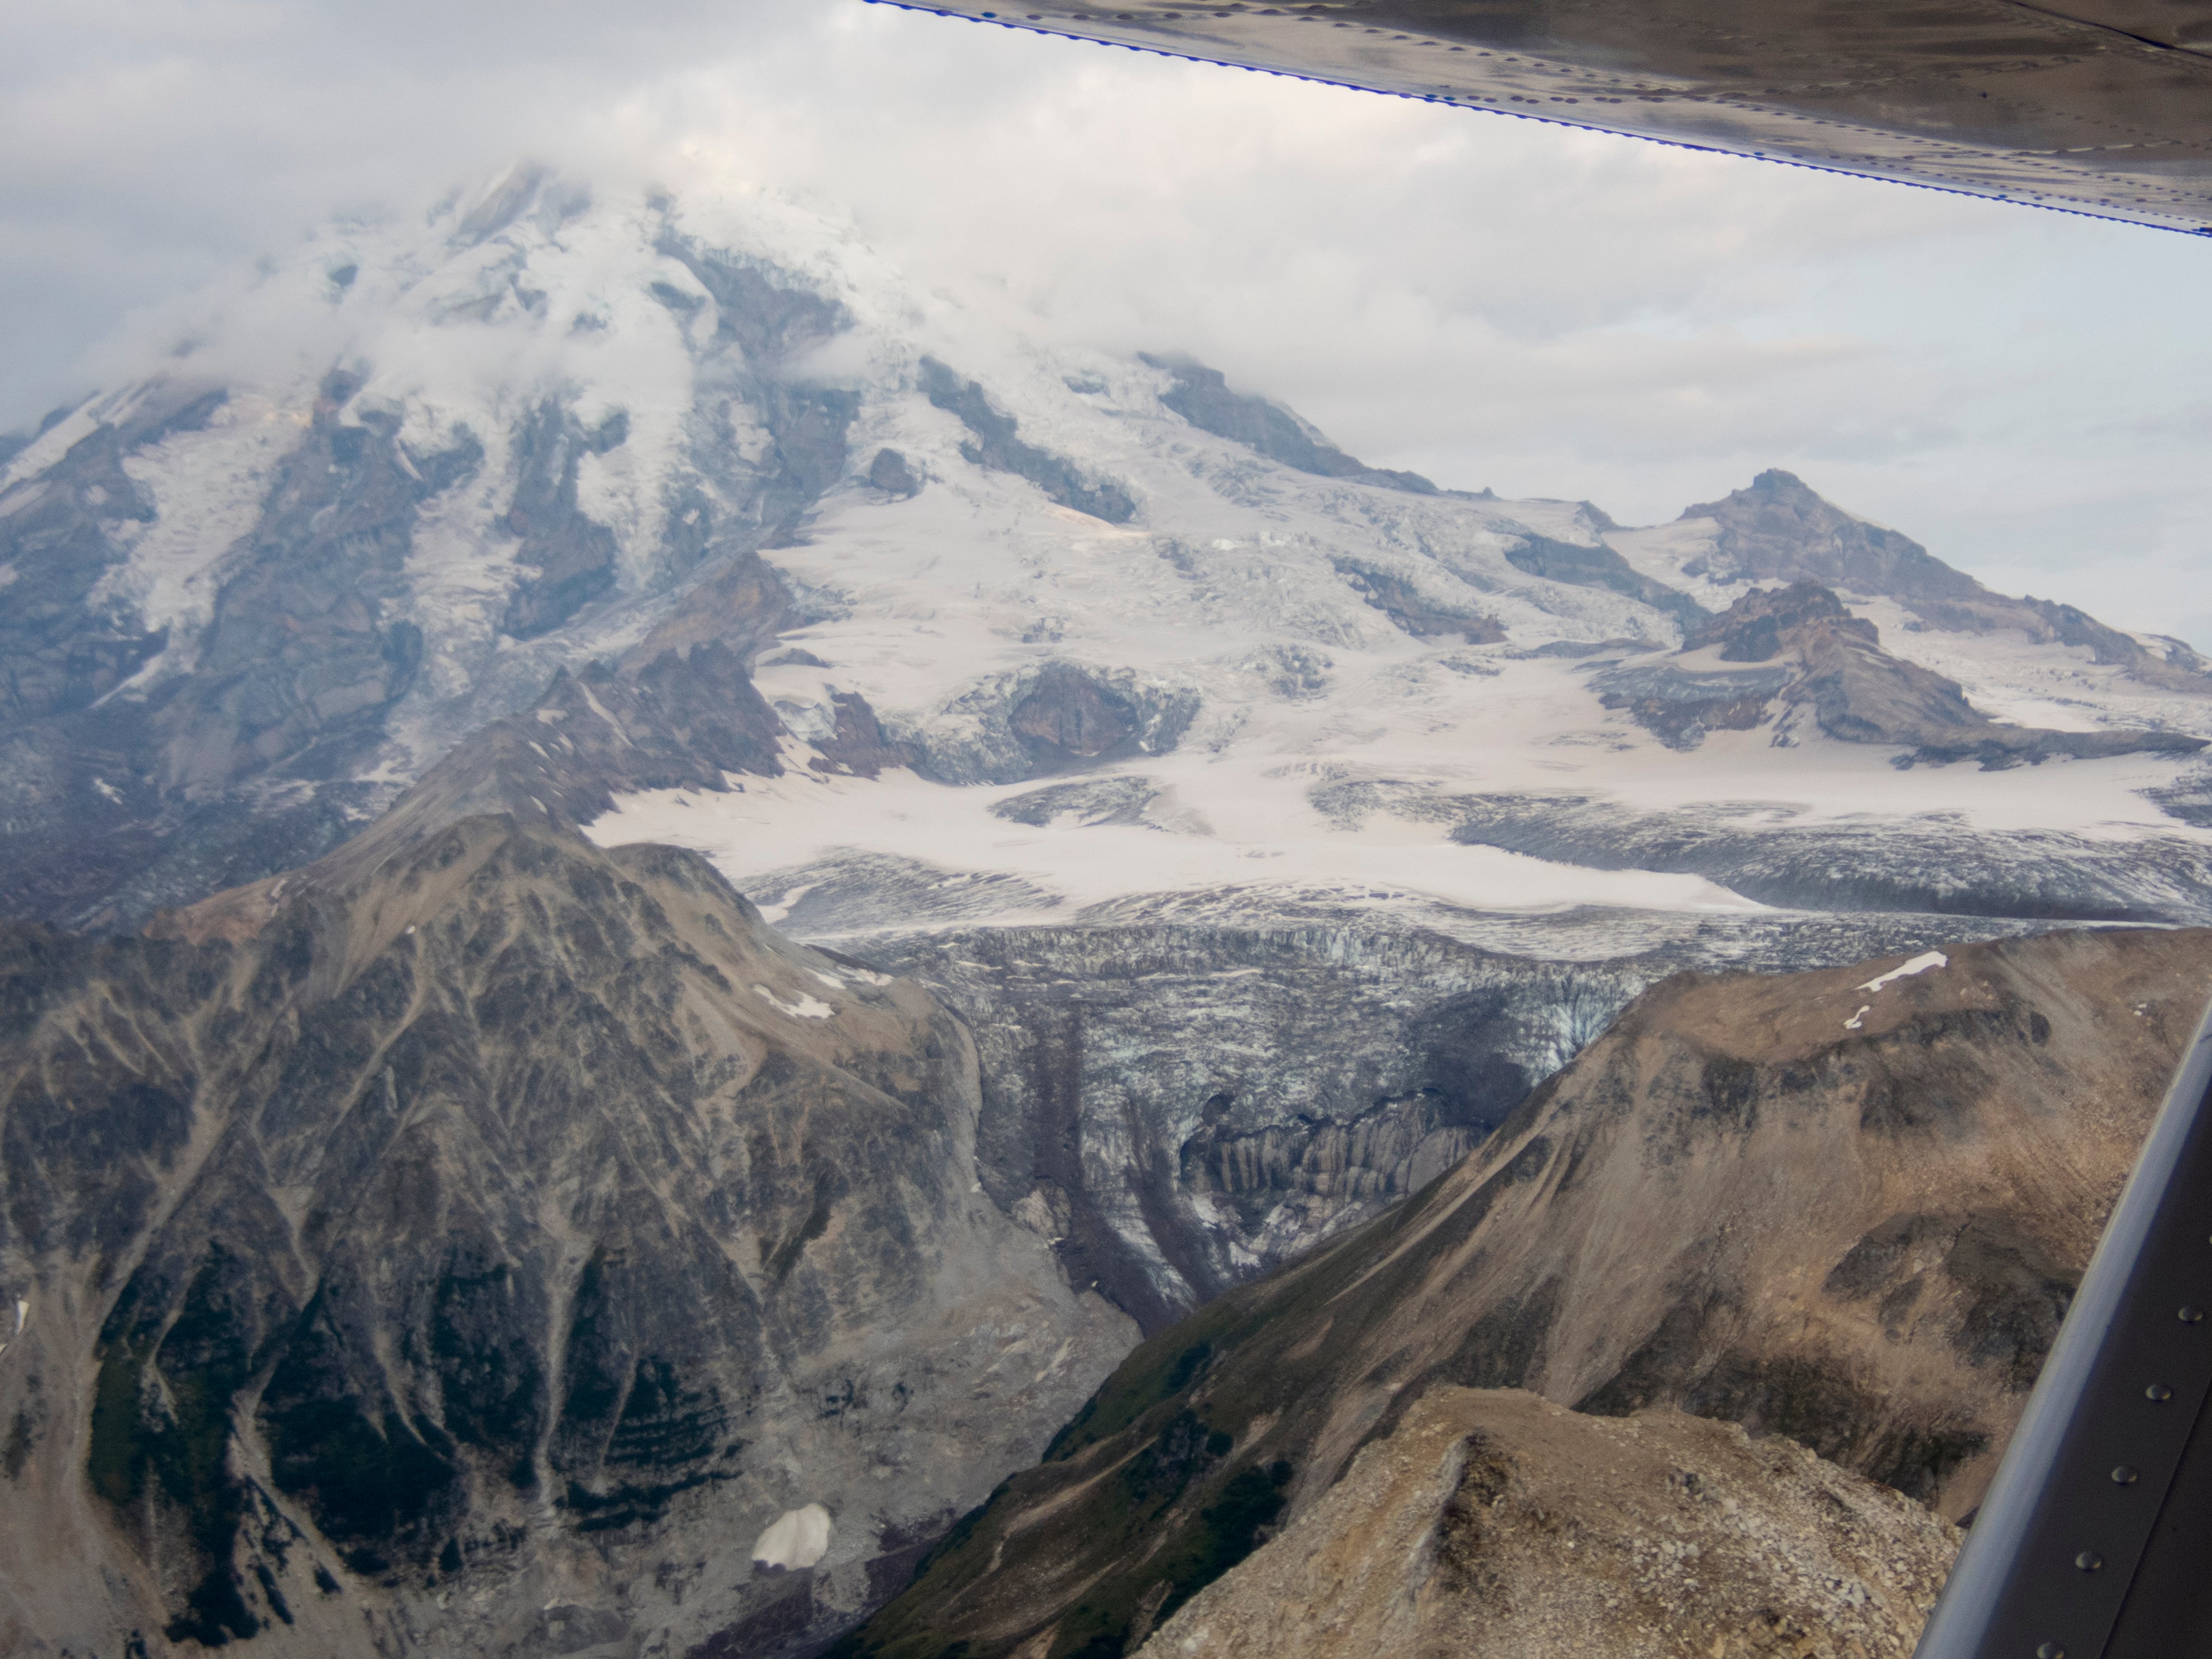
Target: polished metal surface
2098,107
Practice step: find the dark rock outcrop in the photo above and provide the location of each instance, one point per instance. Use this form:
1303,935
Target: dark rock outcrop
1758,626
1598,566
996,447
1680,708
62,647
1067,718
766,318
574,558
857,743
1056,716
1415,611
1201,396
1856,691
1842,1215
310,646
890,473
1780,530
308,649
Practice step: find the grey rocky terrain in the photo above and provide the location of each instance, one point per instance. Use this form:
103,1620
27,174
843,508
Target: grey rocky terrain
1831,665
1192,1106
1777,530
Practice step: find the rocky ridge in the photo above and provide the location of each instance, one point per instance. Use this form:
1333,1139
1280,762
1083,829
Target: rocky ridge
1778,530
368,1136
1835,670
242,617
1494,1522
481,1255
1846,1209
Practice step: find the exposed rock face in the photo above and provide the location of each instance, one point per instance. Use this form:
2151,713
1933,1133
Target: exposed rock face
1860,693
1854,690
890,473
240,620
1758,626
1496,1524
64,649
1778,530
1416,612
996,447
477,1257
1182,1108
1680,708
1595,565
1067,718
307,647
575,558
1846,1212
679,711
856,742
1201,396
1056,717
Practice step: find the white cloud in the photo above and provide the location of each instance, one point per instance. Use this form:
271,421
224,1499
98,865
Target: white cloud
1490,300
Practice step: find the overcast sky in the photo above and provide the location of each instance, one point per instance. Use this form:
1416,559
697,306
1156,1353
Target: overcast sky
1489,301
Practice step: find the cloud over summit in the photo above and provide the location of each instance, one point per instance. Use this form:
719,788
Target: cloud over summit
1486,300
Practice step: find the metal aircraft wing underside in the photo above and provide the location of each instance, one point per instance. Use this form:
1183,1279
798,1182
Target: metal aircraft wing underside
2097,107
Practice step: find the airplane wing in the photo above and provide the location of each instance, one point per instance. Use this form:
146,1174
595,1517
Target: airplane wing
2096,107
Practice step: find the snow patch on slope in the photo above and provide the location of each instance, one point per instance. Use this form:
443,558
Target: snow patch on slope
1919,964
795,1539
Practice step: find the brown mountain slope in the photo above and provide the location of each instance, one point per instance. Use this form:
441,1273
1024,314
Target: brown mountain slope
1496,1524
479,1256
1844,1206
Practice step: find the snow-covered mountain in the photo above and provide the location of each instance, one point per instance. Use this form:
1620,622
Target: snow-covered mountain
1053,634
1259,827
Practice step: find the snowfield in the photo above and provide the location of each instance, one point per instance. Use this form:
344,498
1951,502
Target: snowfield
1301,686
1324,684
